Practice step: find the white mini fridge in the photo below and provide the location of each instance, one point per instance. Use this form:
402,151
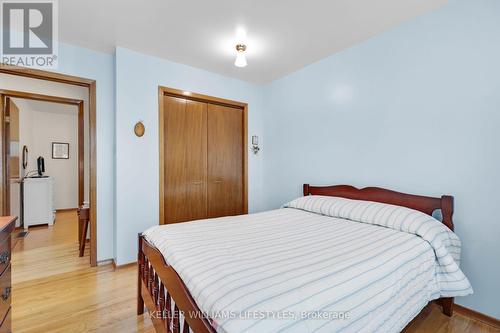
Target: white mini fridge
38,201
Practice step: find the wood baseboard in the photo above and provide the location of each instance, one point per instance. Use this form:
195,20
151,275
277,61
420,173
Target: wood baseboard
477,316
65,210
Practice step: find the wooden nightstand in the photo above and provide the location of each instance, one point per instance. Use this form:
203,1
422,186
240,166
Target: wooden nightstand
7,224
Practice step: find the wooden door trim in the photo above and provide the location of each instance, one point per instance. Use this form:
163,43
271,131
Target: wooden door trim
81,155
91,86
40,97
5,200
165,91
3,184
46,75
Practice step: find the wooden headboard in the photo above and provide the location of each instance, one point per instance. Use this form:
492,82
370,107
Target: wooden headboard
424,204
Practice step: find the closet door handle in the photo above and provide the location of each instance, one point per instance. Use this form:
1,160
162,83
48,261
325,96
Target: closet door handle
218,181
197,182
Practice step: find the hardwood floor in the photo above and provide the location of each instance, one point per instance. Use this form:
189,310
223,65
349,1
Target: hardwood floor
56,291
432,320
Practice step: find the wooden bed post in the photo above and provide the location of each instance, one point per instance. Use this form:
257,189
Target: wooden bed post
140,269
306,189
447,304
447,210
447,213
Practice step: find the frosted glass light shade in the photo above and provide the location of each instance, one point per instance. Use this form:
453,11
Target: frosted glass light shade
241,60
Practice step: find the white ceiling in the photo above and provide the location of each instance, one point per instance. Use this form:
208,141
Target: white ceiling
282,35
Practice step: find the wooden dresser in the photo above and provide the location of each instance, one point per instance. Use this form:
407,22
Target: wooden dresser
7,224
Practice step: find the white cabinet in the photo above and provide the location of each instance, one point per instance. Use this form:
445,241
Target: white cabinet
38,201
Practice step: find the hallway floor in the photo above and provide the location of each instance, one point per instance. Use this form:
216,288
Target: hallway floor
54,290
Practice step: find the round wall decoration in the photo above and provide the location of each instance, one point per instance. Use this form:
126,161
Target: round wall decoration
139,129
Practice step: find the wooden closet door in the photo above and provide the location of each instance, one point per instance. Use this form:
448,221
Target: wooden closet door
225,161
185,134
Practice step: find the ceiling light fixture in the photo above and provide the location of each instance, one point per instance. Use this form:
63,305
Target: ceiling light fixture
241,60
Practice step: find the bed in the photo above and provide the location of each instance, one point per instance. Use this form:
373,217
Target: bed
339,259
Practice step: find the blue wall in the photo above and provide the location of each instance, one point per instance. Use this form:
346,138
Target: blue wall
137,159
416,109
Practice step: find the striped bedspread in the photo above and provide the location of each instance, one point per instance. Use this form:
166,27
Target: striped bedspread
321,264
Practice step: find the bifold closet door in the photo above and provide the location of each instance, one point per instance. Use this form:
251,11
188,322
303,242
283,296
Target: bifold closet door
225,161
185,135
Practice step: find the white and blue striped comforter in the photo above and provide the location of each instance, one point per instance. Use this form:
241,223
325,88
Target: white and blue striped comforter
323,264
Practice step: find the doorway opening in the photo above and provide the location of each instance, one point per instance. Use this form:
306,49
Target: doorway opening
46,168
30,93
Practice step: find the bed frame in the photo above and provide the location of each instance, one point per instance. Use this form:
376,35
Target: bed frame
158,283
